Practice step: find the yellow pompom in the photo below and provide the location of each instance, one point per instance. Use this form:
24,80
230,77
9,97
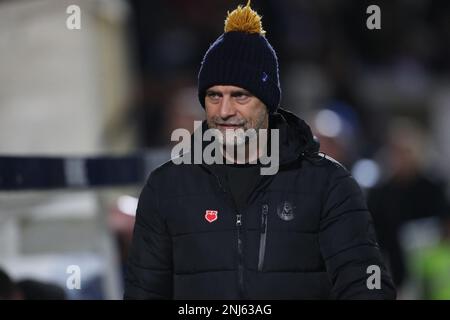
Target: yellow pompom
244,19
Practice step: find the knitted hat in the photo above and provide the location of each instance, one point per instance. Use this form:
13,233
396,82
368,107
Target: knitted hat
242,57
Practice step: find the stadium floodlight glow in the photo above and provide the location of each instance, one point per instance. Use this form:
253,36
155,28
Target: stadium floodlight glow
366,172
328,123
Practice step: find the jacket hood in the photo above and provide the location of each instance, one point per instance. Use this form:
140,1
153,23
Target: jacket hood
296,138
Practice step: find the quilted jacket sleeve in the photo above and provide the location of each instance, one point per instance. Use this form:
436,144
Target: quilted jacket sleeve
348,242
149,268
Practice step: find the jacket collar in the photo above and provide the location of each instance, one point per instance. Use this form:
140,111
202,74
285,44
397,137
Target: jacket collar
296,138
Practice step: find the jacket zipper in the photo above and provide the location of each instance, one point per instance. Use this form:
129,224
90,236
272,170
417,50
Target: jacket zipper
240,255
263,237
239,239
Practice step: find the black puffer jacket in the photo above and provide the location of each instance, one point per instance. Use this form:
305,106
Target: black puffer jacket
305,234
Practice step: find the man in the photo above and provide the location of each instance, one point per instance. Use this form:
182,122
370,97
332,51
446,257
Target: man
223,231
409,193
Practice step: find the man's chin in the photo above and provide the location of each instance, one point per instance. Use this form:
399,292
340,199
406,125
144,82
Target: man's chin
231,130
232,144
230,139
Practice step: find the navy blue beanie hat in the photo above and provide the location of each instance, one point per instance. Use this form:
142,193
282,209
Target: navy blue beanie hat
242,57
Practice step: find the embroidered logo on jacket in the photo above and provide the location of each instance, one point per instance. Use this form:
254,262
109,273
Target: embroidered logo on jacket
211,215
285,211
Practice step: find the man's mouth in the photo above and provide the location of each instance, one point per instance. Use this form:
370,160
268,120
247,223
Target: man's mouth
225,126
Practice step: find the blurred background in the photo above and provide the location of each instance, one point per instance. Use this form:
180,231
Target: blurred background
86,114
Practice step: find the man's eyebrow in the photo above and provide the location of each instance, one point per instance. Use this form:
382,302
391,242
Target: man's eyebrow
211,91
239,92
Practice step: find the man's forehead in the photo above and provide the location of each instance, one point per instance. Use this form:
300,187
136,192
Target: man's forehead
226,89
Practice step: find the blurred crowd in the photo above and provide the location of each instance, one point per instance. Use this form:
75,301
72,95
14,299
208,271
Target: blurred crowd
328,59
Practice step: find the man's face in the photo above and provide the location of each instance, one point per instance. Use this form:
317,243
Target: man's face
231,108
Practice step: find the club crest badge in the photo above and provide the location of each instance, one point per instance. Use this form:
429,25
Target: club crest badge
285,211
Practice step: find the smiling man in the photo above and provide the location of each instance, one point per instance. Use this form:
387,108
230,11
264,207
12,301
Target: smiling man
224,231
230,107
237,115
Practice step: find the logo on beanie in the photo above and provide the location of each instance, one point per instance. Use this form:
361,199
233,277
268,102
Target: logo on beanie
264,77
211,215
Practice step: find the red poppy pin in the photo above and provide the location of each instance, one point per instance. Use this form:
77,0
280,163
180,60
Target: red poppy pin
211,215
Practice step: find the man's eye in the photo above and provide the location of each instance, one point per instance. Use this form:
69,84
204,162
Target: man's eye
212,95
241,96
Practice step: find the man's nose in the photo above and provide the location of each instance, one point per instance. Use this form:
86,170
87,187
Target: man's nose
227,109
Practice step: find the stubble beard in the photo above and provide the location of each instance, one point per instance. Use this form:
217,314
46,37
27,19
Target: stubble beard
229,138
